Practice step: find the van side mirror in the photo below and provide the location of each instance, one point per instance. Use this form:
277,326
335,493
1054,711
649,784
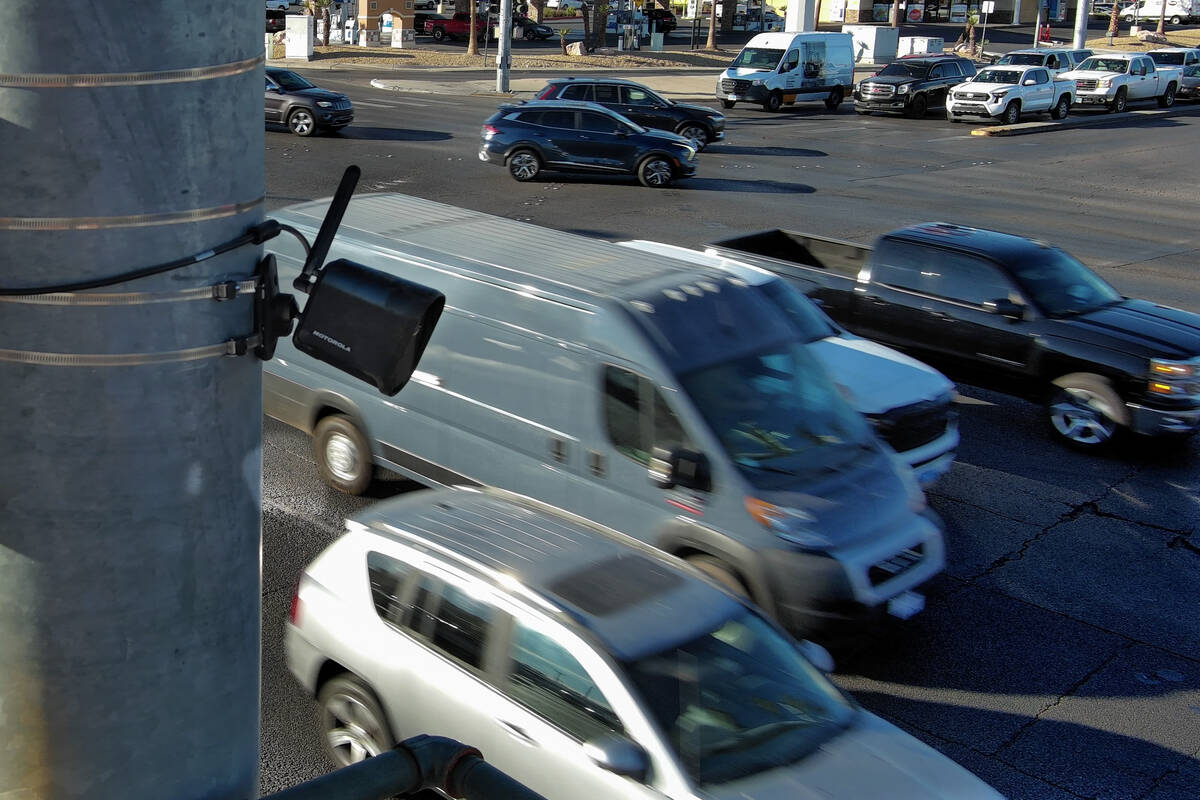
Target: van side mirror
686,469
1006,308
816,655
618,755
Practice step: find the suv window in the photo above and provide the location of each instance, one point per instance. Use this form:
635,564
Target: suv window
549,681
577,92
636,416
607,93
938,71
451,620
558,118
636,97
387,576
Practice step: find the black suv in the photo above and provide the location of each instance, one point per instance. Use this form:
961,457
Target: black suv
662,20
304,108
582,137
912,85
701,124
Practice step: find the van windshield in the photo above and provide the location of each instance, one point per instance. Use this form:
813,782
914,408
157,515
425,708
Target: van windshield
776,410
739,700
757,58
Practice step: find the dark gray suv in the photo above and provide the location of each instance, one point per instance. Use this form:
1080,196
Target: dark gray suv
303,107
582,137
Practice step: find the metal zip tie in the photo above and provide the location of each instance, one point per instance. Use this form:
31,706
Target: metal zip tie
127,298
128,221
51,80
231,347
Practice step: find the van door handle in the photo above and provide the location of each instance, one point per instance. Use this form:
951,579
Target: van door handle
558,449
517,732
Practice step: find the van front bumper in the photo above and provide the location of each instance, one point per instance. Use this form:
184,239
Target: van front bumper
752,94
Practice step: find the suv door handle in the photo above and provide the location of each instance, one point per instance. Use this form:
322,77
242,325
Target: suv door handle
517,732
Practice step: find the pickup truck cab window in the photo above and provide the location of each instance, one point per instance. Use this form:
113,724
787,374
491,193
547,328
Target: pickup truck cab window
1040,76
1060,285
960,277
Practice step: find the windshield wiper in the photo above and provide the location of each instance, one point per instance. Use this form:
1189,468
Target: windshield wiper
752,462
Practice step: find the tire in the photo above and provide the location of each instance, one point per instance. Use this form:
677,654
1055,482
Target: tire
917,108
696,132
716,569
1167,98
862,111
1062,109
950,117
773,102
655,172
524,165
1120,102
1084,412
835,99
1012,113
439,34
1176,20
301,122
343,454
530,35
728,103
353,725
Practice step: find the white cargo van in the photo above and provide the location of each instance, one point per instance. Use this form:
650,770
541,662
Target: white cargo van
1149,11
778,68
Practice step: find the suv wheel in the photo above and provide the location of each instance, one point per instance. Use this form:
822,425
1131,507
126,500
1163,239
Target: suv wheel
655,172
918,107
301,122
353,725
696,132
524,165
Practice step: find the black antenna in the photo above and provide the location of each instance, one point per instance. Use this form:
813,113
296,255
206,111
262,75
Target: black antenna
333,219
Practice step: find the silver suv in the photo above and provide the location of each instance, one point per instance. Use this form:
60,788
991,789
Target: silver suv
582,663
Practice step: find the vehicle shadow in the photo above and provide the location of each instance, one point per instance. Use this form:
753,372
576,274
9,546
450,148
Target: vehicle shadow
735,185
391,134
738,150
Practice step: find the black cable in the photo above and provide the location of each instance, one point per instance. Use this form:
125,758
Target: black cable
298,235
257,234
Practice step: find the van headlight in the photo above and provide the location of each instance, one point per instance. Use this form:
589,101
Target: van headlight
756,83
792,525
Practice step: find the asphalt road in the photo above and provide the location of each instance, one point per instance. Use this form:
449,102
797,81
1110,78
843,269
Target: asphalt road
1059,655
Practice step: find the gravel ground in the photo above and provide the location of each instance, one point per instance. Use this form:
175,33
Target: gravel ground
388,58
1186,38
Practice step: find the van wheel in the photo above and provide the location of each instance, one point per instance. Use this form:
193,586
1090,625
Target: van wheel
353,725
343,454
1176,20
773,102
716,569
1063,108
728,103
835,99
1167,98
1084,411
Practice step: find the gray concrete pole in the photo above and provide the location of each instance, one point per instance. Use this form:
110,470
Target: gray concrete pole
801,15
1079,36
130,480
504,46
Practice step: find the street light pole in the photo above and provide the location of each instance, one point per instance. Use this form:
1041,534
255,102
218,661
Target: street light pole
1079,36
504,46
130,487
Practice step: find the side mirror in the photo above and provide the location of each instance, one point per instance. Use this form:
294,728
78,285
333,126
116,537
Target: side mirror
1027,82
618,755
1006,308
620,131
686,469
817,655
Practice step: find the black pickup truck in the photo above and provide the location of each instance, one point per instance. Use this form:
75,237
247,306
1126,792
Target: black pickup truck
1005,313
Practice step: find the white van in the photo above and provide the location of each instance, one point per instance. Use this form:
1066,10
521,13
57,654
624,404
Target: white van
778,68
1148,11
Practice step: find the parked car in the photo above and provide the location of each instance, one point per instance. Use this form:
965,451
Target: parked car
276,20
1115,79
909,404
778,68
1190,82
531,30
1177,13
584,665
457,26
1055,59
278,5
567,136
293,101
912,86
661,20
424,5
1103,10
421,20
662,398
1005,93
1009,314
643,105
565,5
1174,56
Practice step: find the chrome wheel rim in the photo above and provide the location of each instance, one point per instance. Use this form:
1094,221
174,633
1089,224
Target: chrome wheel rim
352,731
696,134
302,122
342,457
523,166
658,173
1082,417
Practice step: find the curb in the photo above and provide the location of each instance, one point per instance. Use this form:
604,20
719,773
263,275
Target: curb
1026,128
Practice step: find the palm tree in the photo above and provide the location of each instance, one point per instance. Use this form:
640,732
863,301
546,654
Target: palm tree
1112,19
711,44
1162,19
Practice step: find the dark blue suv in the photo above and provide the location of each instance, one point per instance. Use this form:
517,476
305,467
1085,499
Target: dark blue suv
582,137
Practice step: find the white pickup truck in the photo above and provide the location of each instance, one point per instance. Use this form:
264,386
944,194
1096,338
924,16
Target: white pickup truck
1009,91
1116,79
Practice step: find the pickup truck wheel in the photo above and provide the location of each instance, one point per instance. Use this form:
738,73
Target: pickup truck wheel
1120,102
439,34
1063,108
1084,411
716,569
773,102
1012,113
917,108
524,165
835,99
343,454
1167,98
728,103
655,172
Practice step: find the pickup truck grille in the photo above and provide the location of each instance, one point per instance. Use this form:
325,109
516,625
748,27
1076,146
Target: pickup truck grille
889,568
1086,83
877,90
970,96
909,427
734,86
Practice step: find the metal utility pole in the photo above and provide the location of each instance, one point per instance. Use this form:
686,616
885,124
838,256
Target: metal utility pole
504,46
131,479
1079,35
